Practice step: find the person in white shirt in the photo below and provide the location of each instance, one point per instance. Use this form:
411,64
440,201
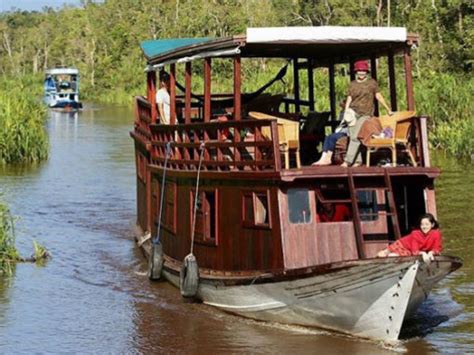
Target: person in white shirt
163,98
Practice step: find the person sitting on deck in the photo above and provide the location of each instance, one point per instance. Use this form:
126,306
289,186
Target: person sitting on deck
163,98
334,212
329,145
425,241
360,98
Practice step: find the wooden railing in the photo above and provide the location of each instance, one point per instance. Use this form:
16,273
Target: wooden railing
142,117
234,145
228,146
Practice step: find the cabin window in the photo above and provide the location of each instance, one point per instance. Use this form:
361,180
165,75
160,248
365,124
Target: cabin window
333,202
168,217
299,210
333,211
206,228
367,204
255,209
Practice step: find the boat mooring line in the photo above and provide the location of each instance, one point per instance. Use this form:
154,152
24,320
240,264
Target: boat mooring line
156,240
196,195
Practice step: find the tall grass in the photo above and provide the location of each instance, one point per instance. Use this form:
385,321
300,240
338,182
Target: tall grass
8,253
23,137
447,99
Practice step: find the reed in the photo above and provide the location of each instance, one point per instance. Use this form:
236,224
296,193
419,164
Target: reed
23,137
8,252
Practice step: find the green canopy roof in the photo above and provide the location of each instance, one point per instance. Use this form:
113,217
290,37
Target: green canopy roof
153,48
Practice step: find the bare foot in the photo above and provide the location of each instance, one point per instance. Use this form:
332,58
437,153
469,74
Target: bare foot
321,162
345,165
355,165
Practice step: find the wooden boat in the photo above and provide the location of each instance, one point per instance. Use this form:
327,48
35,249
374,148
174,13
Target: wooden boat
61,89
258,247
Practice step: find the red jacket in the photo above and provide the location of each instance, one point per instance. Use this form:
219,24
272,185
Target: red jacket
417,241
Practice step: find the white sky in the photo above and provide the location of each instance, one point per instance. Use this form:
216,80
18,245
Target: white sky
30,5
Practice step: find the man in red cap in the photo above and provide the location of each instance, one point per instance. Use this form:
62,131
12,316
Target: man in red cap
360,99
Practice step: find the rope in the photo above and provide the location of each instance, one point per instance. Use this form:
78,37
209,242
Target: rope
156,240
196,196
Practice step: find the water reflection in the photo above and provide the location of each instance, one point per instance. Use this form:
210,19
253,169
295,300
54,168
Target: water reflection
93,296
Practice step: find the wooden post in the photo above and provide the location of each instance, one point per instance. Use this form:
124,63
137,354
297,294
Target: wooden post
409,79
425,152
310,85
351,69
276,146
373,74
151,94
296,83
172,94
207,89
332,91
393,84
237,89
187,99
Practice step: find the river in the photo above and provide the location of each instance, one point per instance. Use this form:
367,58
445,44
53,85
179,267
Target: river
93,296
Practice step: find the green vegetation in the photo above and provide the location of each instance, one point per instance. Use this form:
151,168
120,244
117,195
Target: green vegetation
22,134
102,40
40,254
8,253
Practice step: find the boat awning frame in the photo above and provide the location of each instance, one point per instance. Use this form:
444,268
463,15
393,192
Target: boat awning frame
219,53
324,44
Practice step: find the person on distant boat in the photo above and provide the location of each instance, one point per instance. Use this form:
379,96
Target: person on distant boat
334,212
360,107
163,98
425,241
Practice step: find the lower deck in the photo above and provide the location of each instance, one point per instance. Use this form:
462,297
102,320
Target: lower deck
295,218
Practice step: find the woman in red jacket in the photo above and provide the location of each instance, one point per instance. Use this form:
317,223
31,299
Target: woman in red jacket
425,241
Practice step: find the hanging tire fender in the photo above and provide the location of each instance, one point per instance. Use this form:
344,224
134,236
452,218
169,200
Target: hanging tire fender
155,261
189,277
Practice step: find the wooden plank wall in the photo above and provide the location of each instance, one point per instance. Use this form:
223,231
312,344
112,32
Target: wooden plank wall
141,204
140,173
238,247
315,243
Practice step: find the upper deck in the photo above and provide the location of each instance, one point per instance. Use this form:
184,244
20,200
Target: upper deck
238,145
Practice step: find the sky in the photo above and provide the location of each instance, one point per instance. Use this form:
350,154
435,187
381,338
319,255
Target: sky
30,5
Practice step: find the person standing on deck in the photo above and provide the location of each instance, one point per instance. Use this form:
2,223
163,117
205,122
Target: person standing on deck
360,99
163,98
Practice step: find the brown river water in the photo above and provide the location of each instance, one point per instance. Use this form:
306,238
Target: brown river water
94,296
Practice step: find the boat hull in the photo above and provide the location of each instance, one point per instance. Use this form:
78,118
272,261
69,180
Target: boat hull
368,299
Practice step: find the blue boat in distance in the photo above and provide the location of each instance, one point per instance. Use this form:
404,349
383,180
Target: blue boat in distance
61,89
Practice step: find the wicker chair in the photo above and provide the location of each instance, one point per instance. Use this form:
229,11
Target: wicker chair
288,135
400,122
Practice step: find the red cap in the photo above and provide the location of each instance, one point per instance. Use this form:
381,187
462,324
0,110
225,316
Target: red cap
361,65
